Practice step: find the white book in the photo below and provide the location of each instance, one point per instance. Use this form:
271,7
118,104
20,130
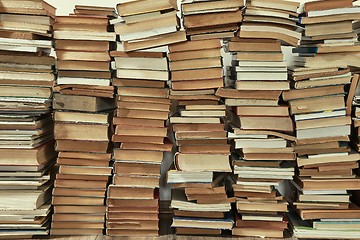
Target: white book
265,170
83,81
20,48
336,11
328,155
263,76
260,176
335,41
247,217
182,177
260,143
142,74
267,12
187,13
258,64
258,183
81,35
113,65
148,33
324,192
160,64
340,220
325,114
324,132
255,136
260,69
163,49
280,30
120,47
26,42
117,20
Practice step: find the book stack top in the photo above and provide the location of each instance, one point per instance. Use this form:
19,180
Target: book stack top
323,117
147,24
211,18
196,72
83,41
26,69
271,19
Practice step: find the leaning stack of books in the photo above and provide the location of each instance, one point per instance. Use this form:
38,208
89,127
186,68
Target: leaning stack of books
84,104
200,197
148,24
271,19
26,128
211,18
325,161
141,142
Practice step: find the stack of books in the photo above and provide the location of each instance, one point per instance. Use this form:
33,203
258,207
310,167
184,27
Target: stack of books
355,113
84,104
27,151
323,121
271,19
148,24
262,161
140,136
261,133
257,66
82,49
211,18
196,73
199,198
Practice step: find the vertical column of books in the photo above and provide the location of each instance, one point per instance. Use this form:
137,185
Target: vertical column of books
142,110
84,104
199,198
325,160
211,19
144,28
26,128
261,126
261,133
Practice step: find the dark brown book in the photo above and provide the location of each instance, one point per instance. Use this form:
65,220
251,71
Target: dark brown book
84,74
82,103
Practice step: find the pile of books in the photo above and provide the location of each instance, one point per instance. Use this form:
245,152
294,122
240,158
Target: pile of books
148,24
211,18
84,104
271,19
200,201
355,113
27,151
140,136
325,161
261,133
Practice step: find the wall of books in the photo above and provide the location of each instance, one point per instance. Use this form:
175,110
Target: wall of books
188,117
